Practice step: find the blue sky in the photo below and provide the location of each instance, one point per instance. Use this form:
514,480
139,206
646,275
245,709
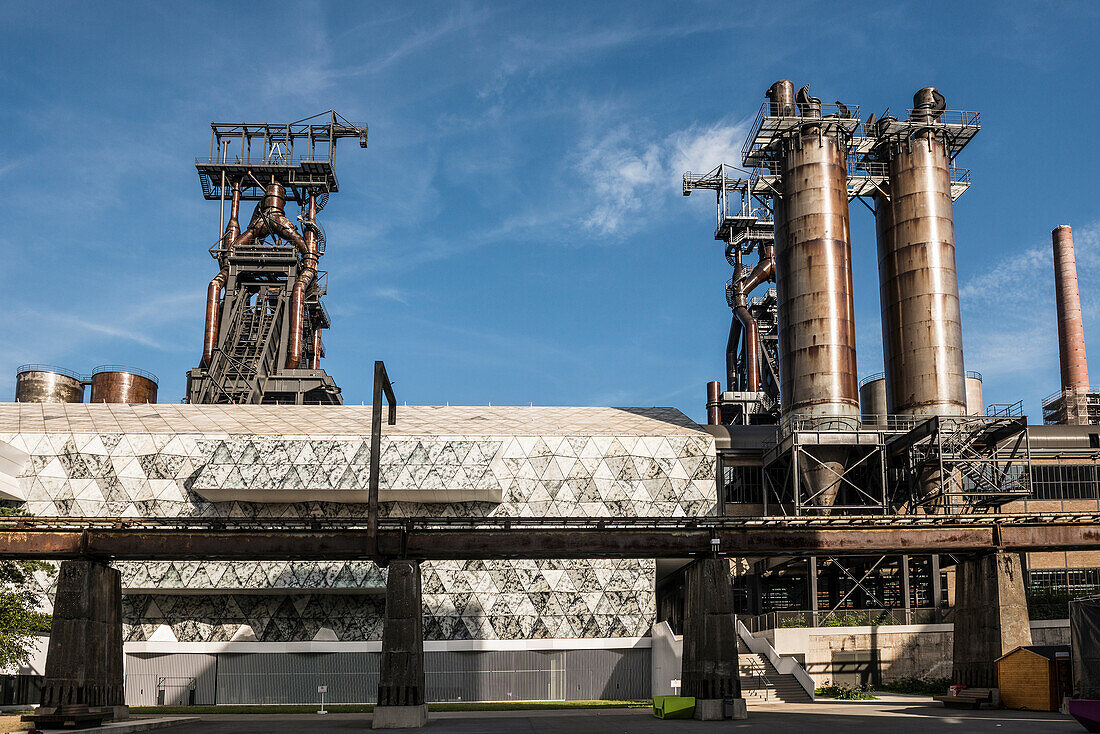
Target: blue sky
515,233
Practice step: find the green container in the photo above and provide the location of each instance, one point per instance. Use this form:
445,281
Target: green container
673,707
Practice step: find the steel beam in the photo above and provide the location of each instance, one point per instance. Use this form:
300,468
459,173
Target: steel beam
426,543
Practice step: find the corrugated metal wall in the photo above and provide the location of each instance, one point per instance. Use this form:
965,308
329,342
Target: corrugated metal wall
175,674
352,677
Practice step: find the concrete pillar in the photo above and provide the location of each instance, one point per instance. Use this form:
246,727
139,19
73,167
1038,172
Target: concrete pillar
990,616
401,703
710,640
84,659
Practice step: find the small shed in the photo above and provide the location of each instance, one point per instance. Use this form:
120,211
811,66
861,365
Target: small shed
1034,677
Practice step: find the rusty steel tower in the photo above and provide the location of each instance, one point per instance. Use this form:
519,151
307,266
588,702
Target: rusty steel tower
264,316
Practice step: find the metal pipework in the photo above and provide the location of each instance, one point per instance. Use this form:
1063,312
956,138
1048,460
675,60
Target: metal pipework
918,280
214,290
269,217
748,329
315,360
297,297
1071,332
714,412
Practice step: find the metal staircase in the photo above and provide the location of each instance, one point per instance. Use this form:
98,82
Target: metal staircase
250,354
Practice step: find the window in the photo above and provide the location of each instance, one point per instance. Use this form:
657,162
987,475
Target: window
1064,481
744,485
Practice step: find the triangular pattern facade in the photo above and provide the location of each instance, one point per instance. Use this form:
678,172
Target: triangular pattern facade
666,473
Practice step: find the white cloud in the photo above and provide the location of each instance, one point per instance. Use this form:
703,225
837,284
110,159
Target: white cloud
1009,317
627,176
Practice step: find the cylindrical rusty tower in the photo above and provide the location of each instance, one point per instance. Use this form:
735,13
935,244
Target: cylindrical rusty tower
39,383
813,265
1071,331
114,384
817,342
918,281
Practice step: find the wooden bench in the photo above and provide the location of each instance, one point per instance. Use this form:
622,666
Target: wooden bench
967,698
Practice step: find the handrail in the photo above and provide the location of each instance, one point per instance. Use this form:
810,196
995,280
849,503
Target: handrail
123,368
51,368
382,385
782,665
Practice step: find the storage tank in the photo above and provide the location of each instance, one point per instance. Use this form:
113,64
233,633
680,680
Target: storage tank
817,343
872,399
975,403
40,383
116,384
918,281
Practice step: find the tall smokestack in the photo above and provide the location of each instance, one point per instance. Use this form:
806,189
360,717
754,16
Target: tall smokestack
1071,332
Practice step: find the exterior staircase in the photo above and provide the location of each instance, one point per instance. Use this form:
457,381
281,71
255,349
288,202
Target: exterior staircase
762,683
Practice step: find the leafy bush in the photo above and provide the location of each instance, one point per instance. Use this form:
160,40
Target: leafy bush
918,686
792,622
844,692
1048,604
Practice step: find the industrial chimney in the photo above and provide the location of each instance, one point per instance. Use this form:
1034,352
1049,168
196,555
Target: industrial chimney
1071,332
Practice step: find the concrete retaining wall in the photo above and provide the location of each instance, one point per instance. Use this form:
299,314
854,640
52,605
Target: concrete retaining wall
867,655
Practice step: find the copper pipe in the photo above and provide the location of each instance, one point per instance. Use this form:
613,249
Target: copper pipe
213,291
748,329
213,305
315,360
733,381
297,297
714,412
1071,332
269,217
750,347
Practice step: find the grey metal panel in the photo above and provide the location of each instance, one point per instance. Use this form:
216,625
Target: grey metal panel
148,672
351,677
607,674
292,678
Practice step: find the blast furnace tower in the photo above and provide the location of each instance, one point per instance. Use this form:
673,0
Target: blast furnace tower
262,341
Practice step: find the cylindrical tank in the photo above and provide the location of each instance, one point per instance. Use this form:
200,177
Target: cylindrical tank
781,97
813,265
817,343
39,383
1067,298
114,384
918,282
872,400
975,403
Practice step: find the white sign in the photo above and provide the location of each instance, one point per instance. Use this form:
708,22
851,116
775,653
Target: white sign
322,689
674,683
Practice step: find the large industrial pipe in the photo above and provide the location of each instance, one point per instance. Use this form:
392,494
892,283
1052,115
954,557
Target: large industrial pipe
214,290
733,379
714,410
1071,331
315,359
297,297
918,281
813,266
269,217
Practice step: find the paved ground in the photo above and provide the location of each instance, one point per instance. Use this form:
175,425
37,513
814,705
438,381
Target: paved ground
896,715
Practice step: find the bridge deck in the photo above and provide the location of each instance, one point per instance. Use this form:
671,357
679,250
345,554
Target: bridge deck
499,538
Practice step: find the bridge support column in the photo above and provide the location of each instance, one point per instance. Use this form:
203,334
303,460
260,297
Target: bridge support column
710,641
401,703
84,659
990,616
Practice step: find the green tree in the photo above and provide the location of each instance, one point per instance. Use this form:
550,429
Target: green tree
19,598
